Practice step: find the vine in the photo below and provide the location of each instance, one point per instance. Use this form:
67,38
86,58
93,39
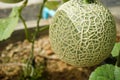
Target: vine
23,21
32,37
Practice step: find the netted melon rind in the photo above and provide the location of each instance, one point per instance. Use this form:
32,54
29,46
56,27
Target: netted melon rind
82,35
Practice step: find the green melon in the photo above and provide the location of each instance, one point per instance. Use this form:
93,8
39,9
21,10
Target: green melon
82,34
11,1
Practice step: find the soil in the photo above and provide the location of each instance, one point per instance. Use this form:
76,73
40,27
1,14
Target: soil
14,55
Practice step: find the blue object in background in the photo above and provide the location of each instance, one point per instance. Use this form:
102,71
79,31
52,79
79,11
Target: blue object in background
47,12
51,13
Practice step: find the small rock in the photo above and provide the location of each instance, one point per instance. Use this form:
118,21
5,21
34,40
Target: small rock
9,46
46,42
3,55
38,59
49,52
11,54
46,47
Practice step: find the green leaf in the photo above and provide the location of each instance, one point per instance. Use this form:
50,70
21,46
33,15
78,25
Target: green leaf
117,73
7,25
106,72
52,4
15,12
116,50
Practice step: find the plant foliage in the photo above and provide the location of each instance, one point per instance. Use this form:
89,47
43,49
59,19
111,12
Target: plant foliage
7,25
116,50
106,72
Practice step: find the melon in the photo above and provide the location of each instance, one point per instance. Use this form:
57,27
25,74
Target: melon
82,34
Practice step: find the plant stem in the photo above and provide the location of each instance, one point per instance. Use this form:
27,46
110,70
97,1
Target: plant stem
118,60
31,59
40,14
31,39
38,21
26,29
44,28
23,21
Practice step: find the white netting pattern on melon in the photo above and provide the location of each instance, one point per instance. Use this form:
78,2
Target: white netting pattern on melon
82,35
